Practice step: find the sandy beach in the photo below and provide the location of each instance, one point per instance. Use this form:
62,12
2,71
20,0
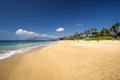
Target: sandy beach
66,60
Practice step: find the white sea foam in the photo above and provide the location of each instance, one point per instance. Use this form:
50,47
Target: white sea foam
13,52
8,53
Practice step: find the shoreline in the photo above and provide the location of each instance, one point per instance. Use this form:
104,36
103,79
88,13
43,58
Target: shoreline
66,60
9,53
27,50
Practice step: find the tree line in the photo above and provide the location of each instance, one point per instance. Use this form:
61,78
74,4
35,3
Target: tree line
110,33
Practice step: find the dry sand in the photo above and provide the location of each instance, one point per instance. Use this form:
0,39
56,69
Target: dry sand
66,60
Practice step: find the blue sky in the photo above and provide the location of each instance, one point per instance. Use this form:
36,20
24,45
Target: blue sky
43,17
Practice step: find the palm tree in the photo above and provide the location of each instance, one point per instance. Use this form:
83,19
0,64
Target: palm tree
104,32
117,24
77,36
114,30
65,38
71,37
118,29
118,34
93,31
81,34
87,33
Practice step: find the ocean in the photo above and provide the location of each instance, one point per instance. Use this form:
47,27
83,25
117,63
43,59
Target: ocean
11,47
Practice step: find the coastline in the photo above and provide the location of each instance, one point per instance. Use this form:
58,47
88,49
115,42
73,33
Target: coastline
6,53
66,60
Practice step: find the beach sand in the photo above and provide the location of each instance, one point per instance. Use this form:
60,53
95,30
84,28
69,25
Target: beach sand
66,60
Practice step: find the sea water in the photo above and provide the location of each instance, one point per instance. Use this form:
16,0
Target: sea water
11,47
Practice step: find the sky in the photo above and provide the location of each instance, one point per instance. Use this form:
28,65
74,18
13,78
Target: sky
43,19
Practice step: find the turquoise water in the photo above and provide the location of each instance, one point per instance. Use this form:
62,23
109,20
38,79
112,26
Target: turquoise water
11,47
16,44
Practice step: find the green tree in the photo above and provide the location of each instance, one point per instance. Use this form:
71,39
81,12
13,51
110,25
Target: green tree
118,35
76,36
104,32
94,32
71,37
81,34
114,30
87,33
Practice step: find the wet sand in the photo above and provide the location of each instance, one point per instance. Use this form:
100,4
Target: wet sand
66,60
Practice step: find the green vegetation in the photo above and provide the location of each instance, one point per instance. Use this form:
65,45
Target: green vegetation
112,33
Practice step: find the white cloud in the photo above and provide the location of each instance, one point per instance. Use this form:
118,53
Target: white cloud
79,24
25,32
30,34
60,29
